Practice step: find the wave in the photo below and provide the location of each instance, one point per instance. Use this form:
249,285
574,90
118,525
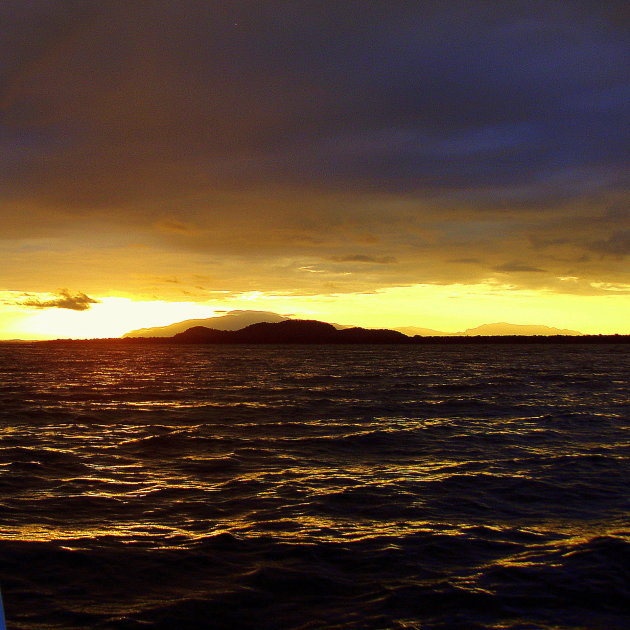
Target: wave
270,488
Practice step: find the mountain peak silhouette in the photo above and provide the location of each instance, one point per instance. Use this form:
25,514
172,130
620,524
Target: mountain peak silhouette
290,331
240,319
234,320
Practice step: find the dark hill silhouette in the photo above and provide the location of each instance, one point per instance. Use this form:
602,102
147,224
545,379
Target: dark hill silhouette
296,331
196,334
239,319
370,335
234,320
290,331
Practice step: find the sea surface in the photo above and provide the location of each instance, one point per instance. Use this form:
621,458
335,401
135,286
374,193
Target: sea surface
315,487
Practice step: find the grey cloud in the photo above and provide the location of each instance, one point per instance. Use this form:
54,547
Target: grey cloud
617,212
518,267
363,258
77,302
618,244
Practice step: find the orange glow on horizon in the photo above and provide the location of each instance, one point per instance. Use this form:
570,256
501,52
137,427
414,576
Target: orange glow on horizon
447,308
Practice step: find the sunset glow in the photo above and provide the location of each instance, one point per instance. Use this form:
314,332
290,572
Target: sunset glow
314,314
447,308
111,317
401,165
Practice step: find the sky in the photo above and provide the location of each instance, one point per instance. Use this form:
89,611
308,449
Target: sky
378,163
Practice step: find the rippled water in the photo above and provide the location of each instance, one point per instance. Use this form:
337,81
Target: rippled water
419,487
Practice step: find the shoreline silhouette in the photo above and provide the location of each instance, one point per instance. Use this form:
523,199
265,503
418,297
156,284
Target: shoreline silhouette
316,332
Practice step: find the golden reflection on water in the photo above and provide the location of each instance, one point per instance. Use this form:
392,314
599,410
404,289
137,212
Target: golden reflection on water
307,529
161,536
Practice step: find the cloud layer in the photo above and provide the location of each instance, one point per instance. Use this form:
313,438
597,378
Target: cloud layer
277,145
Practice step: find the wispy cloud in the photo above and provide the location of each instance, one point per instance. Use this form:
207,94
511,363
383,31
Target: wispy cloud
77,302
517,266
381,260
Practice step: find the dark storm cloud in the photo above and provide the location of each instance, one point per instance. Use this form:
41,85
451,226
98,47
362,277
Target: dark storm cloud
237,125
389,95
77,302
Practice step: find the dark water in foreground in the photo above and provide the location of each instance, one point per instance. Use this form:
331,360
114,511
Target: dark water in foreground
315,487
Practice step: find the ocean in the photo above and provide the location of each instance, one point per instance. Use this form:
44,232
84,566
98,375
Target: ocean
315,487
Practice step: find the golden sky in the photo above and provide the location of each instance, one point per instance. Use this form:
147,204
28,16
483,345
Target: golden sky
440,165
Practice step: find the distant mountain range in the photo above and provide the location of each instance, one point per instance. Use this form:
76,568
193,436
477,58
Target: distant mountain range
237,320
234,320
492,330
301,331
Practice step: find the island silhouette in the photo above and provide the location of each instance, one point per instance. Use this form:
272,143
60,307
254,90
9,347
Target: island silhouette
233,320
290,331
301,331
238,319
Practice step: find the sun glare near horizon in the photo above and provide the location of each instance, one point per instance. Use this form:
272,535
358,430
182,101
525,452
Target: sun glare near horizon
110,317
